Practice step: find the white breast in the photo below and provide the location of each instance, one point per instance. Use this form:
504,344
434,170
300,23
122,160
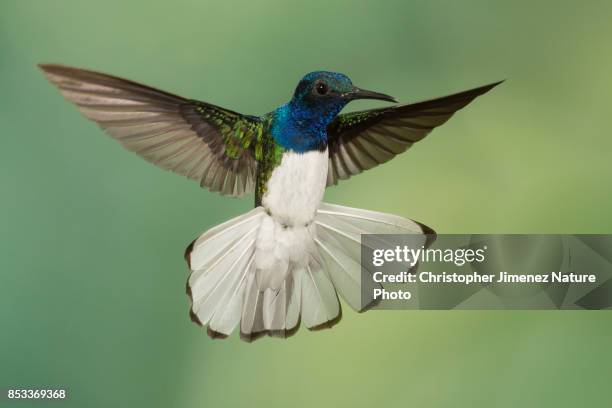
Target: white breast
286,234
296,187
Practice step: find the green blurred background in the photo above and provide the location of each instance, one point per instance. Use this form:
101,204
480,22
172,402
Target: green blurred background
91,269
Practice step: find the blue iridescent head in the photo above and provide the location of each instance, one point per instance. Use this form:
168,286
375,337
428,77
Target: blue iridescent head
301,124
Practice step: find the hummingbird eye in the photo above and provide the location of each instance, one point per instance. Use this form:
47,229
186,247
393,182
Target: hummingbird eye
321,88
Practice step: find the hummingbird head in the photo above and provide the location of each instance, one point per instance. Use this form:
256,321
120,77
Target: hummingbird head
329,92
302,123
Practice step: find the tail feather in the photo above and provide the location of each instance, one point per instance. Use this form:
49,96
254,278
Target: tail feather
215,278
344,271
372,221
320,304
252,324
292,317
231,305
274,311
220,261
219,238
226,293
281,309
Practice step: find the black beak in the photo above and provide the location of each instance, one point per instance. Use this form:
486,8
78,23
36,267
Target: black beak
357,93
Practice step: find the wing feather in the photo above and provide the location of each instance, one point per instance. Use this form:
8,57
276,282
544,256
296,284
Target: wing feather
204,142
361,140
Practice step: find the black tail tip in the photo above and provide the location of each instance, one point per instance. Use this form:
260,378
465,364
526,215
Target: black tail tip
215,334
187,254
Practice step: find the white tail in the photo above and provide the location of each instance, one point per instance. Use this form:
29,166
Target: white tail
227,286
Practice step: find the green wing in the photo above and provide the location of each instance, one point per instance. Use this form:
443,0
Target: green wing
204,142
361,140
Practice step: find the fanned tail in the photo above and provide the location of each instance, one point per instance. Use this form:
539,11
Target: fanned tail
227,290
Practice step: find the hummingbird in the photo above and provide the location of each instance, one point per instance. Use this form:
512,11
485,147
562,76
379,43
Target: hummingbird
283,263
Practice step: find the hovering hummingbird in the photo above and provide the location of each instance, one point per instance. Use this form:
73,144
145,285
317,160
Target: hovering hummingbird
283,262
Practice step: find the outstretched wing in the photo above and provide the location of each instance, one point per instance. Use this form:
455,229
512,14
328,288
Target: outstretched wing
204,142
358,141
